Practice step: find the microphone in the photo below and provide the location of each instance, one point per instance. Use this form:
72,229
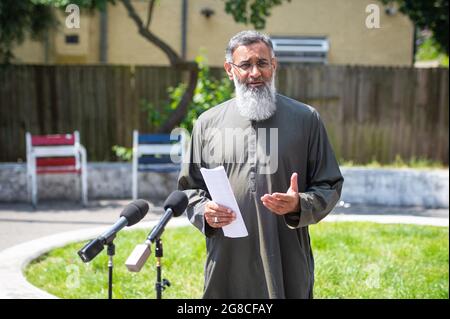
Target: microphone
131,214
174,205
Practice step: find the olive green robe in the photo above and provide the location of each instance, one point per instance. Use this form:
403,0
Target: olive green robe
275,260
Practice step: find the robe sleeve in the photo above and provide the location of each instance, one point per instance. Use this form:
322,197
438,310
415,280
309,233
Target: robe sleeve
191,182
324,179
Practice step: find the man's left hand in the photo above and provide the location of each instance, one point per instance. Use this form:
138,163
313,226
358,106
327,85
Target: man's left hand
283,203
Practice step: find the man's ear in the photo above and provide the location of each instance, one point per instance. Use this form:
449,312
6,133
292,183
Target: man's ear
228,69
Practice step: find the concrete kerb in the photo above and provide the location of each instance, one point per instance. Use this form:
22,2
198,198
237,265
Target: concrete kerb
13,261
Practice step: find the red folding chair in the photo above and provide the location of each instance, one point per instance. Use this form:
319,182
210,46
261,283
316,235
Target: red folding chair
51,154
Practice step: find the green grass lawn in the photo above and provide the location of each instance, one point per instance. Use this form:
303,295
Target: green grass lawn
353,260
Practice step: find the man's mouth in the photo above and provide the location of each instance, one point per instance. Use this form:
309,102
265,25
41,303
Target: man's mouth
255,84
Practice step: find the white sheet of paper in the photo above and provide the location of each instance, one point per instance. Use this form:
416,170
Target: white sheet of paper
219,188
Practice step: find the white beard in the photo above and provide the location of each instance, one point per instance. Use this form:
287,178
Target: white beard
256,104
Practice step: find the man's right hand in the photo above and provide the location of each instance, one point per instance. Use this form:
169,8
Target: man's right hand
218,216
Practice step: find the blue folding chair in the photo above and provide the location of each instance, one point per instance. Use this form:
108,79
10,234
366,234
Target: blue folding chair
156,153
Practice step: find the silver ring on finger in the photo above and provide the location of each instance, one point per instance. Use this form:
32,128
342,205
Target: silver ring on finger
216,220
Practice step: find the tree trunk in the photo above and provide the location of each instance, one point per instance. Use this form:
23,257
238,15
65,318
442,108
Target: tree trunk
177,116
176,61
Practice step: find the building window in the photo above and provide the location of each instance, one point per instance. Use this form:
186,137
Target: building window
301,49
72,39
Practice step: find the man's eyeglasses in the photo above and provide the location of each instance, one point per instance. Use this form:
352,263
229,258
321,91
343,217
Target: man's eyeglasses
247,66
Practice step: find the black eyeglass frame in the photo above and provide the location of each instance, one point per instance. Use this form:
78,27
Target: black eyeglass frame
251,65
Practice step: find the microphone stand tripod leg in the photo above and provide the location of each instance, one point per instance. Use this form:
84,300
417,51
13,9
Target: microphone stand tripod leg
111,251
158,255
158,285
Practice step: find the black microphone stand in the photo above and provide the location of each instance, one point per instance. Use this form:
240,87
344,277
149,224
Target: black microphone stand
160,285
111,250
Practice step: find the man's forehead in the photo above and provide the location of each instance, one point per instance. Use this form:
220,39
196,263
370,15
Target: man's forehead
254,50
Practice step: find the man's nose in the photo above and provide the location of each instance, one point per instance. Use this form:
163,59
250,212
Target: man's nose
254,71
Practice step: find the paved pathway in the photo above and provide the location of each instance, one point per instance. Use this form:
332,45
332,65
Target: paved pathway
20,223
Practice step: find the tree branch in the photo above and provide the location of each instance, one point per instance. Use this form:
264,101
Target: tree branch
149,13
179,113
173,57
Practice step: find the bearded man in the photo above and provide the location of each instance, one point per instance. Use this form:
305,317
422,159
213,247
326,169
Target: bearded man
279,194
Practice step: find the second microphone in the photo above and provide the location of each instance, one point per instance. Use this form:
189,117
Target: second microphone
174,206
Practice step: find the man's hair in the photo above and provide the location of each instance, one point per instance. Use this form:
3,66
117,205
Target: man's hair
247,38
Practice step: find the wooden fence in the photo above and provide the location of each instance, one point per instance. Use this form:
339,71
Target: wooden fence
376,113
370,112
